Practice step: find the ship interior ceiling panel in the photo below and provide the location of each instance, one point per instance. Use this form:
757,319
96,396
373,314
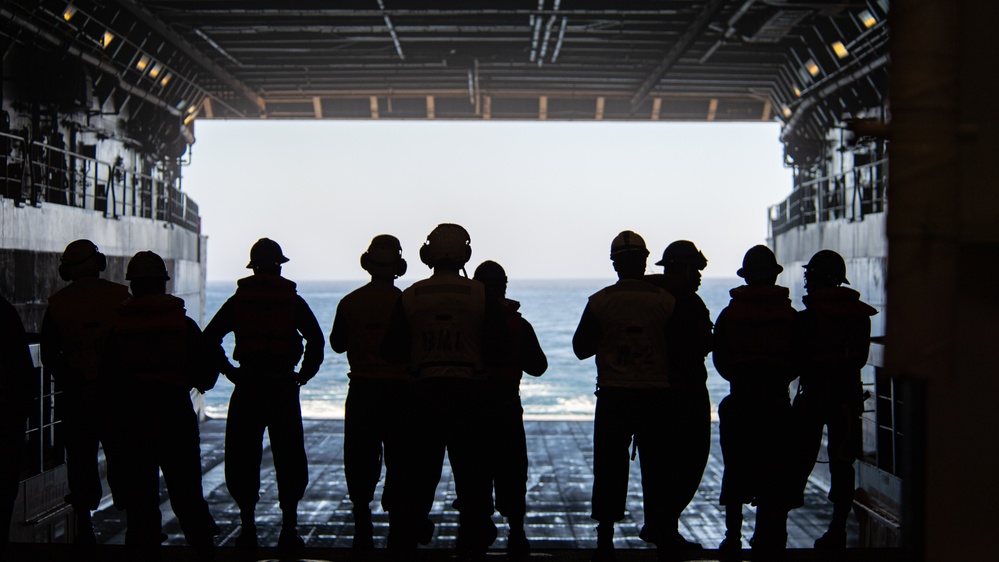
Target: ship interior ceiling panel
806,63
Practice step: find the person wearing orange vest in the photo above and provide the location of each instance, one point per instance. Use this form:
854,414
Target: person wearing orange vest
74,329
269,320
624,326
447,331
508,450
17,377
754,351
836,340
378,391
688,342
155,357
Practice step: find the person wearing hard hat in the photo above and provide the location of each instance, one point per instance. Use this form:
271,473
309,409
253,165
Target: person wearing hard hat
688,342
269,320
74,328
508,451
17,377
378,391
835,331
754,351
155,356
625,327
447,331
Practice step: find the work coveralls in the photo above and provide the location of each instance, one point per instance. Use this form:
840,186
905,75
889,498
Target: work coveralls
156,356
377,396
269,320
624,326
74,330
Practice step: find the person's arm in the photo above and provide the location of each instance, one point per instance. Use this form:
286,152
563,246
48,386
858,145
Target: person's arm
51,351
339,333
220,325
203,371
495,333
532,357
587,335
308,326
720,355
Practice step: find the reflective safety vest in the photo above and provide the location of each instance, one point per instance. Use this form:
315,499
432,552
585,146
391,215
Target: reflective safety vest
83,313
759,329
151,334
631,352
836,327
265,320
445,315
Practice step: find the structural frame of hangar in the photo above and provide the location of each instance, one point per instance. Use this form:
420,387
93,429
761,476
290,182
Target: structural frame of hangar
139,74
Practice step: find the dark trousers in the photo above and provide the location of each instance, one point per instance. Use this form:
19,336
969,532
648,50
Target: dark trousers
845,441
87,418
161,432
448,417
254,407
508,443
12,446
689,432
374,416
754,432
621,414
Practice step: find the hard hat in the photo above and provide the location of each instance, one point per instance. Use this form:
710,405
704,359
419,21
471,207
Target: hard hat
627,242
759,261
265,252
146,265
384,250
685,252
447,243
829,264
489,271
75,258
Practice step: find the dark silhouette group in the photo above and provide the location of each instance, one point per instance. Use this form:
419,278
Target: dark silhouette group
435,370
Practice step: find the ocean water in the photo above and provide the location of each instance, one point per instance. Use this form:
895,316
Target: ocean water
553,307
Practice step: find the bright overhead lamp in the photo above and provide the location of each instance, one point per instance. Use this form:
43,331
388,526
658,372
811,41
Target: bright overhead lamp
181,104
797,92
811,67
155,70
107,39
840,49
786,111
69,12
867,19
143,63
192,109
166,79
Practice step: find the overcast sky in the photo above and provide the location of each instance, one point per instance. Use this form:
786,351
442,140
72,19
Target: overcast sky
544,199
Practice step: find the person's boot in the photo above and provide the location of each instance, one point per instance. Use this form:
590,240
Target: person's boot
288,539
732,543
247,538
516,541
605,543
84,529
835,537
363,530
769,542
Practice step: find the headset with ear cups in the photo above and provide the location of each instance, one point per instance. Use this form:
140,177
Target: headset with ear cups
443,235
67,269
389,250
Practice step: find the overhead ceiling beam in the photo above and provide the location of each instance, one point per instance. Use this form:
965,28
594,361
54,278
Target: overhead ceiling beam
674,53
146,17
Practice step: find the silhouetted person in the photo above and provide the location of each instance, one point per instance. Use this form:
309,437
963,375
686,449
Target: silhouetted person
156,355
754,351
835,328
688,342
624,326
17,377
74,329
377,397
446,329
269,320
505,415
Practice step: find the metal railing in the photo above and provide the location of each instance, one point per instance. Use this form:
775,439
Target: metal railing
34,173
848,195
